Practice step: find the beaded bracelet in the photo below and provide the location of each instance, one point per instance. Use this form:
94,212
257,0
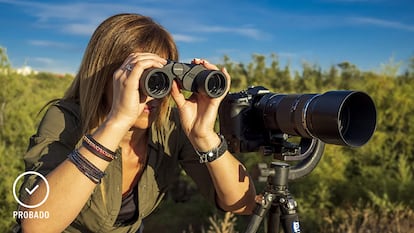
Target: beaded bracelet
95,152
86,167
96,148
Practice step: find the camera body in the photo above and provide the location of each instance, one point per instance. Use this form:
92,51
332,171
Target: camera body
256,118
241,123
157,82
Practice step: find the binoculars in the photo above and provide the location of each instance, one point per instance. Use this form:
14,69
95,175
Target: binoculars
157,82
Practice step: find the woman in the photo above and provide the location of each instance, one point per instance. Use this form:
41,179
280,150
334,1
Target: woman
109,152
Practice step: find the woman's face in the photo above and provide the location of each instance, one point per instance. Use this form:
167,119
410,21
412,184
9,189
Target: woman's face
150,113
151,108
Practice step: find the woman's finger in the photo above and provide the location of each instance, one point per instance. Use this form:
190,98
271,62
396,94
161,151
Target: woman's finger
176,94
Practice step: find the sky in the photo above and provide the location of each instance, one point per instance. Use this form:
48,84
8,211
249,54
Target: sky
52,35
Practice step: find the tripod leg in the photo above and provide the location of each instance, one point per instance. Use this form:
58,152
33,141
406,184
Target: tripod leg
289,217
256,219
290,223
274,219
260,212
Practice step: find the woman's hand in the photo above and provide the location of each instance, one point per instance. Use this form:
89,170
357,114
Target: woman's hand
126,97
199,112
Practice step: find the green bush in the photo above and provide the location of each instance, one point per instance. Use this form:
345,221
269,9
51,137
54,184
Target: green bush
364,189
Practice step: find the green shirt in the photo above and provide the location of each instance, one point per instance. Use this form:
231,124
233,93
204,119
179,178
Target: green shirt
59,133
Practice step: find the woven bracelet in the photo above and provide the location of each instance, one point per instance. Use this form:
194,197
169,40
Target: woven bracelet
98,149
86,167
95,151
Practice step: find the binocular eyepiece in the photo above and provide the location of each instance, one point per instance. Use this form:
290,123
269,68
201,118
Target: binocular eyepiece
157,82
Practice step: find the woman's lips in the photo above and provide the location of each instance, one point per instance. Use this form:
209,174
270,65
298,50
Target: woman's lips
149,108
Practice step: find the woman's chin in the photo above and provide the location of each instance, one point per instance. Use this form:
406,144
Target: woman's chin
145,120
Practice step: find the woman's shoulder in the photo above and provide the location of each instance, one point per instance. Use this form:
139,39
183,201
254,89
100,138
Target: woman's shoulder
61,115
68,107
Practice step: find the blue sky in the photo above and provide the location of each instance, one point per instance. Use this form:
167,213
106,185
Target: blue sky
52,35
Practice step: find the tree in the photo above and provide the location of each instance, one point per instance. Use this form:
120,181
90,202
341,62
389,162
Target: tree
348,184
4,59
21,98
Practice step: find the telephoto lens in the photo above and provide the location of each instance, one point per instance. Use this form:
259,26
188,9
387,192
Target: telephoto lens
346,118
255,117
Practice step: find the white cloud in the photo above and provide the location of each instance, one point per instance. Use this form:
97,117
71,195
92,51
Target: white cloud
383,23
48,43
82,18
76,18
85,29
50,65
186,38
43,61
244,31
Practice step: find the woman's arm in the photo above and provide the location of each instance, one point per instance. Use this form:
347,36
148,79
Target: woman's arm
235,190
69,187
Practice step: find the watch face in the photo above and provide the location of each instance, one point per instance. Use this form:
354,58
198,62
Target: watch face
210,156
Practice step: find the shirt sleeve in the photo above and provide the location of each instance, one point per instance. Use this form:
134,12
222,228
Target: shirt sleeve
190,162
57,135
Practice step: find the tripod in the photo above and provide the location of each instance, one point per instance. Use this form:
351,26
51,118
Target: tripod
277,202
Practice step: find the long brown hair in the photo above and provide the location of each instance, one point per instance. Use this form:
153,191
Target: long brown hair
113,40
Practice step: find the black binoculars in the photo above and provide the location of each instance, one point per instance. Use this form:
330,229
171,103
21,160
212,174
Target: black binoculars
157,82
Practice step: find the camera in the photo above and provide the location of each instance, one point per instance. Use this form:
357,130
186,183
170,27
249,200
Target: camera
157,82
256,118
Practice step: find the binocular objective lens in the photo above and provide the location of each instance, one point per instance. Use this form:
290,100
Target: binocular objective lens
216,84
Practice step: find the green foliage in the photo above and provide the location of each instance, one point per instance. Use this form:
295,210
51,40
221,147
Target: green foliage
348,187
378,175
4,59
21,99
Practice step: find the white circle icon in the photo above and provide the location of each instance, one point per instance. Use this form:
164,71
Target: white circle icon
30,192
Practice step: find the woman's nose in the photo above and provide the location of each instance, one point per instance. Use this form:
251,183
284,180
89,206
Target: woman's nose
144,98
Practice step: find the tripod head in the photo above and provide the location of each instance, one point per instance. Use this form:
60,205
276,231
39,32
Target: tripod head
305,155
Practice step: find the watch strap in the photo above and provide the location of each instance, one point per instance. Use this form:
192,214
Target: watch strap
215,153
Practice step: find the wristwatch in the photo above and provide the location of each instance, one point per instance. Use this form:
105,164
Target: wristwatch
215,153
